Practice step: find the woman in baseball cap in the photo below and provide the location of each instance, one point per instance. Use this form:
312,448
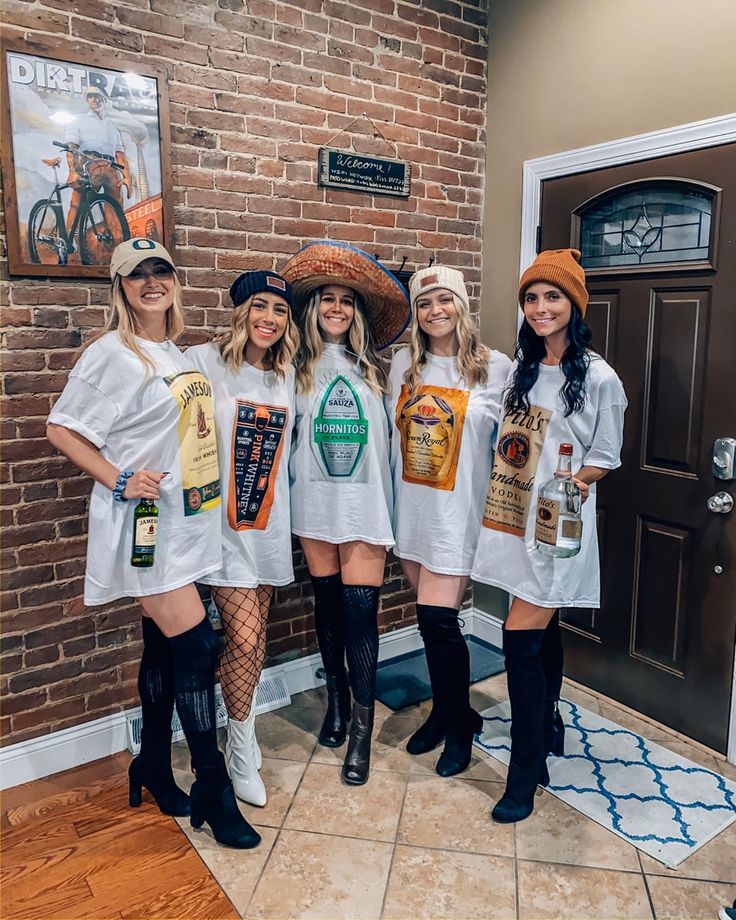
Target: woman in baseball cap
250,367
445,393
349,307
559,391
139,419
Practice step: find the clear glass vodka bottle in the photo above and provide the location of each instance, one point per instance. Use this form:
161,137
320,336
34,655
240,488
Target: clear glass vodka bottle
559,526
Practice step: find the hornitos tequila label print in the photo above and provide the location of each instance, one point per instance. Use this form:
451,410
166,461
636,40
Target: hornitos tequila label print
200,476
519,448
339,429
258,435
430,425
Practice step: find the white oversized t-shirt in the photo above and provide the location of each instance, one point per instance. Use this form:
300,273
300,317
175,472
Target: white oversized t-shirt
255,416
161,421
526,456
441,453
340,474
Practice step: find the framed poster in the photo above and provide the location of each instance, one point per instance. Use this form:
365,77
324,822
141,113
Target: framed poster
85,161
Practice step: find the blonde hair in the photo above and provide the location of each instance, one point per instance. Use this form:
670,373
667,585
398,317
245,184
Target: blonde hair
360,345
472,355
122,320
233,340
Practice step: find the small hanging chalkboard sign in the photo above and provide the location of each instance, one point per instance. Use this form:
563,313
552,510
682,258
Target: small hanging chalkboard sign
376,175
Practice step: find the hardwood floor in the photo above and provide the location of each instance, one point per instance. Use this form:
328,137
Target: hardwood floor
71,847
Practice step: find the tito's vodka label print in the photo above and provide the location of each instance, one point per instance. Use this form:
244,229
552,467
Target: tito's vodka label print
339,429
519,447
258,435
430,425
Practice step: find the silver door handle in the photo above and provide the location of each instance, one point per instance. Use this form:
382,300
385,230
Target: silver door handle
720,503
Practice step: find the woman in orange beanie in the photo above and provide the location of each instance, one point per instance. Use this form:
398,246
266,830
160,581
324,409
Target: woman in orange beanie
558,392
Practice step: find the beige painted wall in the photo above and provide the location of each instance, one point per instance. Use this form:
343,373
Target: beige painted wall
568,73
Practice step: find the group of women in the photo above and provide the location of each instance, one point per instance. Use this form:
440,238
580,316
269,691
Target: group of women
288,422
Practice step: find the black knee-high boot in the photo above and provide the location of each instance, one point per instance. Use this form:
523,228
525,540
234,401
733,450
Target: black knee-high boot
212,798
449,661
432,731
552,659
527,767
360,603
152,767
329,624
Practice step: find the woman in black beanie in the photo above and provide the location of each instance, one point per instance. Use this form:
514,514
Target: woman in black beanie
249,366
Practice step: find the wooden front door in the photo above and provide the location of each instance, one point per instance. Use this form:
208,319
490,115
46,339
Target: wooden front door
659,241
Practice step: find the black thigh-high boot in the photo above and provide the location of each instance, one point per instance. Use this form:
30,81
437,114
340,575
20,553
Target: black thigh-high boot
432,731
212,798
527,767
450,663
152,767
448,660
329,624
360,603
552,660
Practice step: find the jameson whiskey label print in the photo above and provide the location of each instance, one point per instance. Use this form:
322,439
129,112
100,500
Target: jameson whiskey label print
520,443
340,429
258,435
200,477
430,425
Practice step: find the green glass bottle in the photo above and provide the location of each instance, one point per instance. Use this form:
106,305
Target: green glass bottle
145,528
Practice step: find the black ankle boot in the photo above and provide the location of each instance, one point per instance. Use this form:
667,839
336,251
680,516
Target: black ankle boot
334,727
358,758
428,735
213,801
156,776
554,729
527,692
459,744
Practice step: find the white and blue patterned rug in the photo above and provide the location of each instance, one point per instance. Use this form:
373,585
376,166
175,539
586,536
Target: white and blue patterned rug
663,804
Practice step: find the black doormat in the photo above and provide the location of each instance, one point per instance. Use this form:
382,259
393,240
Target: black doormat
404,681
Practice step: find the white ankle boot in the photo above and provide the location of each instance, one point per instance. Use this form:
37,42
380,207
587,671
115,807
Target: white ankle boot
241,762
255,747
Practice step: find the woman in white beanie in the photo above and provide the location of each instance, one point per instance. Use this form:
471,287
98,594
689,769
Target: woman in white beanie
445,394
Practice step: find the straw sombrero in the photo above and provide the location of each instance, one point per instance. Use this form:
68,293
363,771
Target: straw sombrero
326,262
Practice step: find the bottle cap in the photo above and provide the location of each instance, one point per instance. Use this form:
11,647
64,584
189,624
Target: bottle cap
566,450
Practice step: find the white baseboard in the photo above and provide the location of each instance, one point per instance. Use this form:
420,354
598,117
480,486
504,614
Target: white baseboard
72,747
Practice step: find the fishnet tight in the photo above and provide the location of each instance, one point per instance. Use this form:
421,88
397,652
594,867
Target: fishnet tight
244,613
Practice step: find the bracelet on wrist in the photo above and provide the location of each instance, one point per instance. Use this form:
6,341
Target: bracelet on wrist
120,484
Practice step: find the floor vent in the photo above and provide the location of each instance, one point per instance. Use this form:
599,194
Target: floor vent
272,693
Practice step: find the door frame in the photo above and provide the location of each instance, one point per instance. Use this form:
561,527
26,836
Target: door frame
710,132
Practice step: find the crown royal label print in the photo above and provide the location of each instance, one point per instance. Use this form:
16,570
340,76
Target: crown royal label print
430,425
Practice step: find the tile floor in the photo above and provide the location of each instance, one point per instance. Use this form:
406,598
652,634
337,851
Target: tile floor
410,845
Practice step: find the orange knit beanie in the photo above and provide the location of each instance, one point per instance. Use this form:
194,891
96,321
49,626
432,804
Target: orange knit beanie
562,268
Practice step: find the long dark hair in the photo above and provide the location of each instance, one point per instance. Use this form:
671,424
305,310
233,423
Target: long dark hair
529,353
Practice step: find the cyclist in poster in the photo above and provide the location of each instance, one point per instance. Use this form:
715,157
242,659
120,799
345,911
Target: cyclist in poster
103,125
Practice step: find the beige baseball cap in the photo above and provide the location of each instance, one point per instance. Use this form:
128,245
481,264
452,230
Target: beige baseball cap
130,253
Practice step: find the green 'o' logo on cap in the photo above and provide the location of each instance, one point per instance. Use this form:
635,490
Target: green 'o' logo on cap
143,244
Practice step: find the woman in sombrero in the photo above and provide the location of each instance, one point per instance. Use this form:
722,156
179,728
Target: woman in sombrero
445,402
349,307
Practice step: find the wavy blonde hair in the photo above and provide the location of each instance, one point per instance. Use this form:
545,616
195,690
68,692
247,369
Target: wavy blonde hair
360,346
233,340
472,355
121,319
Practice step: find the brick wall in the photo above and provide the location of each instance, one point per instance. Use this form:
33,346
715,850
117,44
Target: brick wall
255,87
